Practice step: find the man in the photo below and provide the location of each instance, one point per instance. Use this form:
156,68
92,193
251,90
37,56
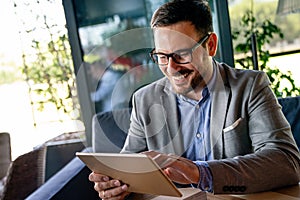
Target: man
224,125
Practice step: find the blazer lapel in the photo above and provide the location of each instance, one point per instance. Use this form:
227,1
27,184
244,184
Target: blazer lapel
220,96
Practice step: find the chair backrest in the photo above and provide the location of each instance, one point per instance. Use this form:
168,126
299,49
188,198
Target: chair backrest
25,174
291,110
5,153
110,130
59,153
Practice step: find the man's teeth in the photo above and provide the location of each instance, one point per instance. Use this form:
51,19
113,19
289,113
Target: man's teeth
180,77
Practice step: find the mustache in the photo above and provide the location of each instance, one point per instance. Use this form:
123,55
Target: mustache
182,72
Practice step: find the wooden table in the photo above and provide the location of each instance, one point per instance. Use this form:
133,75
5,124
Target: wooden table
288,193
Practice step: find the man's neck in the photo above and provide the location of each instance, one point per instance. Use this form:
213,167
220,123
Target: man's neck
196,93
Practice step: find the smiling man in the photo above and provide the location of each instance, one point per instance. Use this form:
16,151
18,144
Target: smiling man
206,124
185,72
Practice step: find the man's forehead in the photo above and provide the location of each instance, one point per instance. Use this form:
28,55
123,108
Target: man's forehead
167,33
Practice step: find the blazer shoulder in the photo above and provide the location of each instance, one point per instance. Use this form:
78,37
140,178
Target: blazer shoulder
234,75
240,72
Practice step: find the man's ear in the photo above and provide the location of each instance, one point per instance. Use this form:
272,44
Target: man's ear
212,44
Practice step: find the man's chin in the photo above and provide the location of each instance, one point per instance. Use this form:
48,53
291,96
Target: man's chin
182,90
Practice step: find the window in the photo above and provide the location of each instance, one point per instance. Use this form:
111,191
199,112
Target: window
110,44
284,52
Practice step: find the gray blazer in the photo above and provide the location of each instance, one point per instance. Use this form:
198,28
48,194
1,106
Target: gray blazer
252,144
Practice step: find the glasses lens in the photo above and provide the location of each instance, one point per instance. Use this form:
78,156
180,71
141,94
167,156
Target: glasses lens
160,59
182,57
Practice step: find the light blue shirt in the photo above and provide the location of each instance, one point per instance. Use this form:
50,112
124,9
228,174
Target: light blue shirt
195,124
194,119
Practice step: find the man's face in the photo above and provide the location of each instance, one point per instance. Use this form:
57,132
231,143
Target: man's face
186,79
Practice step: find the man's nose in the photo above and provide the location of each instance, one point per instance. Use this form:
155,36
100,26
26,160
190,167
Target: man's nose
172,66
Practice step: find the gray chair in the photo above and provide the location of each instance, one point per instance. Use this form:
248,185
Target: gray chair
291,110
5,153
5,158
110,130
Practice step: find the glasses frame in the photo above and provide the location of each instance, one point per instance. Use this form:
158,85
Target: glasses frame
168,55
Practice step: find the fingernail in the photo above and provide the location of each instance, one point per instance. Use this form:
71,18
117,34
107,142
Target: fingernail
105,178
124,187
117,183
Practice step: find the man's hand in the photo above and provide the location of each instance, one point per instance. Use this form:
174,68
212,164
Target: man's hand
178,169
108,188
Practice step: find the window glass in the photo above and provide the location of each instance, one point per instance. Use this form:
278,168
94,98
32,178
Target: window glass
284,52
116,39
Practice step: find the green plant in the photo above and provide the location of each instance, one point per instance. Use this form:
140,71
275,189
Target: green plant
50,75
282,84
47,64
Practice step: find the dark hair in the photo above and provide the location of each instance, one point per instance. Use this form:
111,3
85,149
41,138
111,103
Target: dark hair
195,11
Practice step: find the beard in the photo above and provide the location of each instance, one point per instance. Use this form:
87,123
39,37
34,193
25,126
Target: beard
189,86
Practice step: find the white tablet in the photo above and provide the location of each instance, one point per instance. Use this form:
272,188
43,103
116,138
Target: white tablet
138,171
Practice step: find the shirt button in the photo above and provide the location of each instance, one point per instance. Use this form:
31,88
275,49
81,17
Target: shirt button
197,106
198,135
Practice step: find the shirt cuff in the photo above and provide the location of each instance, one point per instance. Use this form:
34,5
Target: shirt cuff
206,181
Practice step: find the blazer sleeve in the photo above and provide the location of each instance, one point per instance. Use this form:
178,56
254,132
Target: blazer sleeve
135,140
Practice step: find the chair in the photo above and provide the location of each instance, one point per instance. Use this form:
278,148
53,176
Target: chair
110,130
26,173
109,133
30,170
291,110
71,182
5,155
5,158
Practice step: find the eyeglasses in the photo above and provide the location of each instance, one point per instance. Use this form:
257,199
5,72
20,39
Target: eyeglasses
183,56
